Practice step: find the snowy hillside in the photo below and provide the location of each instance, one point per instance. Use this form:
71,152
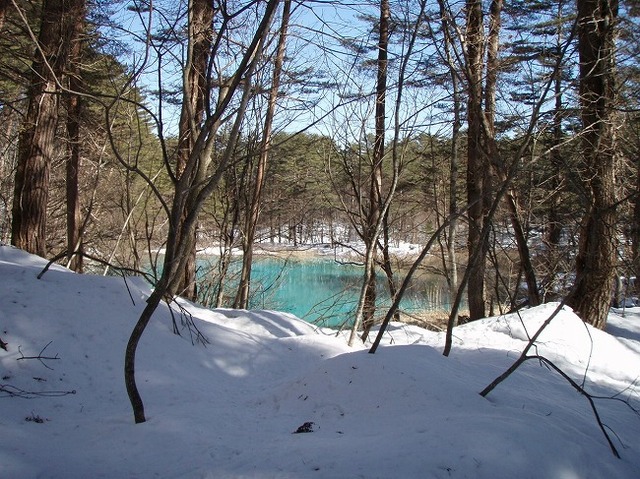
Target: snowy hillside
229,409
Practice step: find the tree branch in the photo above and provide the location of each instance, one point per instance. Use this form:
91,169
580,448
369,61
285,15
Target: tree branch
582,391
39,357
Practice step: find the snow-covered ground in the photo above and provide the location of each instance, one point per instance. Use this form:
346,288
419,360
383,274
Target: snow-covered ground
230,409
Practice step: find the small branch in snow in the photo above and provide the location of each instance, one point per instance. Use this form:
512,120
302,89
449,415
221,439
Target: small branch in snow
524,356
8,390
582,391
39,357
548,363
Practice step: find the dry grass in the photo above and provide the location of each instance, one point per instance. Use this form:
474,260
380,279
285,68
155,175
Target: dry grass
431,320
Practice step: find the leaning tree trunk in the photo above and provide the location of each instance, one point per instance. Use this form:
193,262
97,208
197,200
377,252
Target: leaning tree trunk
192,189
595,262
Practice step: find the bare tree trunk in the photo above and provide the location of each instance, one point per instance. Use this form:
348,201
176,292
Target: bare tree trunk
194,94
387,267
477,175
533,294
8,151
375,186
493,44
36,144
74,220
130,354
553,232
595,262
195,185
450,262
74,109
242,297
228,225
371,229
510,196
452,279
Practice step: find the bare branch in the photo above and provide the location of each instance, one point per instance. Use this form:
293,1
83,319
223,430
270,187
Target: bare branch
8,390
582,391
39,357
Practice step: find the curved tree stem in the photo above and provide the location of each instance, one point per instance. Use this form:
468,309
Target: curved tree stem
130,354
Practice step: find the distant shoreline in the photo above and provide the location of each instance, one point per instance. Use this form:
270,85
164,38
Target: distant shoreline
352,253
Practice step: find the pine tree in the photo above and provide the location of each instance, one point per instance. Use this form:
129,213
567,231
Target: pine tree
36,145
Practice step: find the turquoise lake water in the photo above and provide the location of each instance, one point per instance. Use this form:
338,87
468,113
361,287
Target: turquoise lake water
326,292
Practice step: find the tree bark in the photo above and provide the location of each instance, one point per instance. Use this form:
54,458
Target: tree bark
371,228
635,230
596,258
450,263
10,120
194,94
191,190
74,110
533,295
452,278
513,208
253,213
36,144
477,174
4,6
553,233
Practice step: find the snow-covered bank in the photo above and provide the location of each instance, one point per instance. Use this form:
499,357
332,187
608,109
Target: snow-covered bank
355,250
228,409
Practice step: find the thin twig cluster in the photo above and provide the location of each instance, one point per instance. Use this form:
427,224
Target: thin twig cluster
187,322
9,390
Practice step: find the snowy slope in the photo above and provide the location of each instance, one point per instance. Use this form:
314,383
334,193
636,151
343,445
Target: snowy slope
228,409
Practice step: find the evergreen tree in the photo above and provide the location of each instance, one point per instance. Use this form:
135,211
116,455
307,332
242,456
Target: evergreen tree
37,139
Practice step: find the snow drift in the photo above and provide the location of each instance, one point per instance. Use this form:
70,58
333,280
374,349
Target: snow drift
231,408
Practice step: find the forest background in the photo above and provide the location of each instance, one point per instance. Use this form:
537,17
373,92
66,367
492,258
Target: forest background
500,137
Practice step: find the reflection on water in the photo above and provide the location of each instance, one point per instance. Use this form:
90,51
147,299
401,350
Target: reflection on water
326,292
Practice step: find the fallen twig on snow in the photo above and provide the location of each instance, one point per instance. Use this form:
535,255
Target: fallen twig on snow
39,357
